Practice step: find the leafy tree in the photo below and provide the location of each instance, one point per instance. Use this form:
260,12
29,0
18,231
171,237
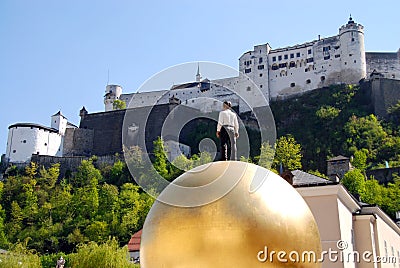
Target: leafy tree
160,158
86,174
93,255
360,159
266,157
288,152
354,181
20,256
364,132
327,112
119,105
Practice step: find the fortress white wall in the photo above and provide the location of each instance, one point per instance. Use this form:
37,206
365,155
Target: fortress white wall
292,70
24,141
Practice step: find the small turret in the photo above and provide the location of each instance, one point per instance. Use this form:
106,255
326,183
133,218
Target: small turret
59,122
83,112
112,93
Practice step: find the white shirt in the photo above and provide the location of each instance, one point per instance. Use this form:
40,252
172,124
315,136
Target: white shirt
228,118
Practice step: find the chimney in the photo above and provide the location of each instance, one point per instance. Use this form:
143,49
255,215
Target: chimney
287,176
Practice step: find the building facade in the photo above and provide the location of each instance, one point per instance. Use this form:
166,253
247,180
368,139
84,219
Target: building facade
26,139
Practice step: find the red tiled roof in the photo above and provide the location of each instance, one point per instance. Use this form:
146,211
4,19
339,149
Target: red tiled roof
134,242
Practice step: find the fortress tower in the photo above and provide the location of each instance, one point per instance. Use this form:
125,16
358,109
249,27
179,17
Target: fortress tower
59,122
113,92
353,63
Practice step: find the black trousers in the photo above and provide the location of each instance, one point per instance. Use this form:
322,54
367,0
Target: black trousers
228,143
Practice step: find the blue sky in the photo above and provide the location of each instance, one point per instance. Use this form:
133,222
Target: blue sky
55,55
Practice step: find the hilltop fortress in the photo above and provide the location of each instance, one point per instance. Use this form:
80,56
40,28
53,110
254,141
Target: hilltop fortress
278,73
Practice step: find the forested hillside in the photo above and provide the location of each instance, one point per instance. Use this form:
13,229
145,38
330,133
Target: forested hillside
338,121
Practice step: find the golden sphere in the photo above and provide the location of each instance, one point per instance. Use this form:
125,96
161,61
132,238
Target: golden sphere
259,214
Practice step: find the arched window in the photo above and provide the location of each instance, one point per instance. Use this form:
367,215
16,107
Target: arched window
308,81
292,84
322,78
292,64
274,66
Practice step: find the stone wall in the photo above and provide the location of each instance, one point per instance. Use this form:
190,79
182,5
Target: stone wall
384,94
383,175
78,141
71,163
386,63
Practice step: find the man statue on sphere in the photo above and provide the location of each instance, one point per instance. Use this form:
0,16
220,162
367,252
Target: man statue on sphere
228,131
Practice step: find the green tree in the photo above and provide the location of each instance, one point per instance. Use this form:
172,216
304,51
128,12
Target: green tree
364,132
107,254
288,152
85,175
354,181
374,192
266,157
119,105
327,112
360,159
160,158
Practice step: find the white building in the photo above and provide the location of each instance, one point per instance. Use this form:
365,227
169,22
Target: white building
25,139
295,69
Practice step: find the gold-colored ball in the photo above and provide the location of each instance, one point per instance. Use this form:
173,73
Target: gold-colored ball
260,213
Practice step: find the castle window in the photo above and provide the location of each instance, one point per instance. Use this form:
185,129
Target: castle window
260,67
336,47
309,60
260,74
274,66
350,55
260,86
286,57
337,56
326,48
292,84
248,88
352,39
345,63
192,101
355,61
322,78
260,60
14,151
246,71
306,69
45,144
292,64
282,65
273,58
308,81
393,76
298,54
291,55
327,57
309,51
24,141
279,57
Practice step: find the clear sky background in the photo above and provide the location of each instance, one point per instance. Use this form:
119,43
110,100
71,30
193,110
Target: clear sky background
55,55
